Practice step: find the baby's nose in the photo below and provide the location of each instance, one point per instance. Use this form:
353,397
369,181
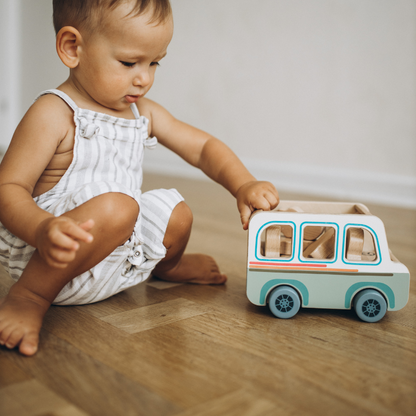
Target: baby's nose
142,78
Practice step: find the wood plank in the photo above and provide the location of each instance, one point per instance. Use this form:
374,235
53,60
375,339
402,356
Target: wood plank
148,317
161,284
162,364
132,298
230,298
292,356
405,318
9,372
274,378
238,403
30,398
87,383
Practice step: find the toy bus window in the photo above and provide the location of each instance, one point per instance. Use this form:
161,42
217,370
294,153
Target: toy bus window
276,241
359,245
318,242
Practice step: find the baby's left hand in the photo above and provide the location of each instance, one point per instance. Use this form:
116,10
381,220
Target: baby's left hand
255,195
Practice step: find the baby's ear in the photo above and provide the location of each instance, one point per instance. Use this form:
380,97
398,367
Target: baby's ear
68,41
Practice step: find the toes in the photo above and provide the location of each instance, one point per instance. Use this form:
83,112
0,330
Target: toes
14,338
29,343
14,335
5,334
219,279
20,322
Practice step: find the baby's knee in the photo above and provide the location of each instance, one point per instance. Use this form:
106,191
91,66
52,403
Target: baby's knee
182,215
118,211
180,222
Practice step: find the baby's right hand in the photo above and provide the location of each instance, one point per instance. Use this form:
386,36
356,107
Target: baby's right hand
57,239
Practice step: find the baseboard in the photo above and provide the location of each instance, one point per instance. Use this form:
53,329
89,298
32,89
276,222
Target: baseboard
384,189
360,186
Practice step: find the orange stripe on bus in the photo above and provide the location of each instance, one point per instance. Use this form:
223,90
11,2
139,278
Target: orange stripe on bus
302,269
267,263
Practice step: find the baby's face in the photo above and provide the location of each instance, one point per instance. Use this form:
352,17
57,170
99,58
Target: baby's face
117,65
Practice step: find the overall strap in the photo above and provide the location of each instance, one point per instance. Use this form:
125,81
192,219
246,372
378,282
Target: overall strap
60,94
135,110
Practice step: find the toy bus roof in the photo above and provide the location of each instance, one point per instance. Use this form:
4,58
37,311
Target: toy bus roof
316,207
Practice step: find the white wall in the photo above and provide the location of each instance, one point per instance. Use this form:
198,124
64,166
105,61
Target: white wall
41,66
29,63
9,70
314,95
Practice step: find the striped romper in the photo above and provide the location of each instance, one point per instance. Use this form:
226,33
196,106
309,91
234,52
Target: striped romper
108,156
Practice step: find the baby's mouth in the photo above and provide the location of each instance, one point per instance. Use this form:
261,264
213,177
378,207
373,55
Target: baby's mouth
132,98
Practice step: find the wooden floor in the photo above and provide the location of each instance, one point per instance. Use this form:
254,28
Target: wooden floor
187,350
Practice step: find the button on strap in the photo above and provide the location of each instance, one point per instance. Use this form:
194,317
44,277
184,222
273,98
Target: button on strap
136,256
86,129
150,142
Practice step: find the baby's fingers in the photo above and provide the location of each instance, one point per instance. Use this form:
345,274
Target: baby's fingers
87,225
78,232
272,199
267,201
60,258
53,263
245,214
261,203
63,241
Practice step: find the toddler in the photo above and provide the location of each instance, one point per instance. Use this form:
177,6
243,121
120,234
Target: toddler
75,227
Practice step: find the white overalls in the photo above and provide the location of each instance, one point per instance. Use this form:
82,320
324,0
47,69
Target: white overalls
108,156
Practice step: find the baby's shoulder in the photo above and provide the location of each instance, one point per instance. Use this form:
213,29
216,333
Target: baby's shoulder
48,118
50,110
50,105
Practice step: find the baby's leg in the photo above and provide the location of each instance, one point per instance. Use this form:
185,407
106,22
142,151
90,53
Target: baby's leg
23,309
179,267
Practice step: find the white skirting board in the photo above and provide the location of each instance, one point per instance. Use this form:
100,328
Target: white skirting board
379,188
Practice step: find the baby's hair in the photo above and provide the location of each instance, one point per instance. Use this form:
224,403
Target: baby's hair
89,13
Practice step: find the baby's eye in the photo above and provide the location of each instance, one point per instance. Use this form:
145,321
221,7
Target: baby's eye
128,64
155,63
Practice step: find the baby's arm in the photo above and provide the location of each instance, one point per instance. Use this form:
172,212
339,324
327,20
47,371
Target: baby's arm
215,159
33,145
221,164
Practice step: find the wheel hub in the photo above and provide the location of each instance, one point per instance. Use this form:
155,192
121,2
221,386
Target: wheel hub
371,308
284,303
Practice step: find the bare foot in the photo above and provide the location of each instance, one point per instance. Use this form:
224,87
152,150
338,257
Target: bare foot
194,268
20,322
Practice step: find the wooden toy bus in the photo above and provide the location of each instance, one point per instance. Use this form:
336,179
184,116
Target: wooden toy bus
323,255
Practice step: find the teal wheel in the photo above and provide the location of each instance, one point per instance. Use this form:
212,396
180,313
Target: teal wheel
284,302
370,305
